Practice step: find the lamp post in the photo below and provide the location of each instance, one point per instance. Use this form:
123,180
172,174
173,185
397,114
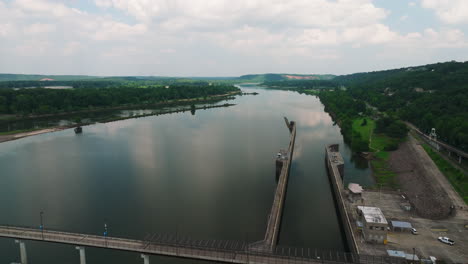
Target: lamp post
105,233
42,225
414,252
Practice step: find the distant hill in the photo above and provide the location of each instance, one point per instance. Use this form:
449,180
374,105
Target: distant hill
284,77
37,77
243,78
438,76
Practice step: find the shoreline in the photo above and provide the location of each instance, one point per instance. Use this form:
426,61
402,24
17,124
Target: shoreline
34,132
177,102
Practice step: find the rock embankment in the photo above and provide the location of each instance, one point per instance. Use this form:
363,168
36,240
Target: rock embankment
417,176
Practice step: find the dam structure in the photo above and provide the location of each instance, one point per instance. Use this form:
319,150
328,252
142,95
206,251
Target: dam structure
335,166
283,167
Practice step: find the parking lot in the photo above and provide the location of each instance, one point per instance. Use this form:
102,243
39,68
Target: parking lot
425,243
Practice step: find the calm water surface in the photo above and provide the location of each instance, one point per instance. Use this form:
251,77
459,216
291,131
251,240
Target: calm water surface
209,176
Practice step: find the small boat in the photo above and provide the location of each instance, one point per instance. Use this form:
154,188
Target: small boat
78,130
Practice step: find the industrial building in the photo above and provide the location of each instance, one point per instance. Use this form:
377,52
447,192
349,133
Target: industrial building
375,225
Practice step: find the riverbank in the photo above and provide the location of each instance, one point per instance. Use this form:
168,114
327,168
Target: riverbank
178,102
33,132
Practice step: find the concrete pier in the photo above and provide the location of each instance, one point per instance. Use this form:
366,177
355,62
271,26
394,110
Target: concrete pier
283,166
145,258
335,166
23,254
82,255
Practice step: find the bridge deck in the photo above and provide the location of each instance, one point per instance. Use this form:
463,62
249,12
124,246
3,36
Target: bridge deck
141,246
195,250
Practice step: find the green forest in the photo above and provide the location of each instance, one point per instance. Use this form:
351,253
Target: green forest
434,95
89,95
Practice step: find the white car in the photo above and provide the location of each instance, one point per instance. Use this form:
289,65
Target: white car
414,231
446,240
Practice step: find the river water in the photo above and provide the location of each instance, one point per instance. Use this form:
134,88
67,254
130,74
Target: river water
208,176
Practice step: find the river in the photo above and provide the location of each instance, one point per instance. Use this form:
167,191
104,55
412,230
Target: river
208,176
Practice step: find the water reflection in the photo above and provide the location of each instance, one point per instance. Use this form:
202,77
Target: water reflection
209,175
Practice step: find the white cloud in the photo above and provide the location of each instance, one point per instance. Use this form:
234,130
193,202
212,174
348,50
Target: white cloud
318,37
45,7
266,12
432,39
6,29
411,4
206,37
107,30
449,11
71,48
39,28
374,34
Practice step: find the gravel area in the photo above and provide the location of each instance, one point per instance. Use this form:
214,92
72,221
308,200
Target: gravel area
422,182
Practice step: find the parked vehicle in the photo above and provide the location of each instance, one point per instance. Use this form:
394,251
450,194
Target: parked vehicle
446,240
414,231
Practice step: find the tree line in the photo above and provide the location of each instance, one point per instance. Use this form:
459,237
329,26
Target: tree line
49,101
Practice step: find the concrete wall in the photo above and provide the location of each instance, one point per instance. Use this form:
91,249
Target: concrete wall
335,174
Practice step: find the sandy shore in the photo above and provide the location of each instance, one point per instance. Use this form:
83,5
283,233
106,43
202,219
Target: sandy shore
4,138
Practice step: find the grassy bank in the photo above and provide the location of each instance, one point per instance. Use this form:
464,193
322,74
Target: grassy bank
456,177
16,132
364,126
378,143
384,176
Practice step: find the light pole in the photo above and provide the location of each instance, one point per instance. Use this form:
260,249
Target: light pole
42,225
105,233
414,252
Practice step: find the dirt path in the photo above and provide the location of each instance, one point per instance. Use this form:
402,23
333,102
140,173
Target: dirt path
426,187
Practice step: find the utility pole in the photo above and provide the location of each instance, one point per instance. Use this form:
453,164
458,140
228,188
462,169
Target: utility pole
42,225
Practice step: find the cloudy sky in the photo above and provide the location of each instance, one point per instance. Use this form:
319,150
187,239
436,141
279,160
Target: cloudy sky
226,37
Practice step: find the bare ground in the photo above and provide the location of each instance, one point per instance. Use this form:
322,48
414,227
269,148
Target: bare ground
426,187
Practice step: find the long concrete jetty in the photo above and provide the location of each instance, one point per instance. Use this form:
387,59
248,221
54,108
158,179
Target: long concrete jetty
283,166
335,166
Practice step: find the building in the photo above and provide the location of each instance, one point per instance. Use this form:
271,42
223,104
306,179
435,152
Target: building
400,226
375,225
354,192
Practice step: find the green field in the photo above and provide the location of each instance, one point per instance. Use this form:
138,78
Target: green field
364,130
379,143
382,142
384,176
457,178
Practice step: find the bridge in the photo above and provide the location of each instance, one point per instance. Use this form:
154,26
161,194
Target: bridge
182,247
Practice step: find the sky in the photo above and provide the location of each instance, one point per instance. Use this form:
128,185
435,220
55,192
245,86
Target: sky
228,38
